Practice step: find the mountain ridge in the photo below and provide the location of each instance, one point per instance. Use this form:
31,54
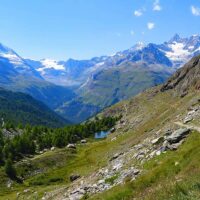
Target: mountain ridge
17,107
186,78
184,48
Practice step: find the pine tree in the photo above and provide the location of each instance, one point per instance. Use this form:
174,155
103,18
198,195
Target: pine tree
9,169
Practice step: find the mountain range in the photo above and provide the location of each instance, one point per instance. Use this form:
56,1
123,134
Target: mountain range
77,89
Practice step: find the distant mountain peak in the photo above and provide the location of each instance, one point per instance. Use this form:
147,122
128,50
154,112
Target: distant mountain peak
195,35
138,46
175,38
5,49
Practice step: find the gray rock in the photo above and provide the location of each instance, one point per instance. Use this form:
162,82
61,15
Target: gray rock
27,190
71,146
83,141
187,119
168,132
113,139
112,130
53,148
178,135
163,148
116,156
101,182
74,177
191,112
175,146
157,140
117,166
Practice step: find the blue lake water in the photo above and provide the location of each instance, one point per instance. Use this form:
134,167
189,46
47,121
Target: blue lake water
101,134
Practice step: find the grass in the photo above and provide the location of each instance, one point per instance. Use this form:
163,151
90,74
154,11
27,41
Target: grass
112,179
163,179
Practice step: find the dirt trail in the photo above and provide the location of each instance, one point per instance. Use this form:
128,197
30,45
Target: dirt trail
192,127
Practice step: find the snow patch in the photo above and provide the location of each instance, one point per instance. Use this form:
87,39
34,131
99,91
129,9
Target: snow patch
50,64
191,47
178,52
95,67
13,58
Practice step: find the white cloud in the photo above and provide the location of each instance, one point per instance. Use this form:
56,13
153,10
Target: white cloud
157,6
132,33
150,25
195,10
138,13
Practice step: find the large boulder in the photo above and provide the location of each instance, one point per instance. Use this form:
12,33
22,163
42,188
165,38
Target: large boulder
178,135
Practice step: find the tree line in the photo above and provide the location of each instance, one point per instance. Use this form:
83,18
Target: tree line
38,138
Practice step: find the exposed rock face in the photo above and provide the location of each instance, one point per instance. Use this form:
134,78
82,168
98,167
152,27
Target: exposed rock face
185,78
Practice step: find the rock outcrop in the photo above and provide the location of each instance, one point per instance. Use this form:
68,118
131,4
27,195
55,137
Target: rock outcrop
185,78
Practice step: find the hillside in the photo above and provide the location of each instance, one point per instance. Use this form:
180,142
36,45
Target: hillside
122,82
185,78
154,145
22,108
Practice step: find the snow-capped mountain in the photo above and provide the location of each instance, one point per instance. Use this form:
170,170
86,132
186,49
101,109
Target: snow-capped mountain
174,53
21,75
67,73
181,50
15,63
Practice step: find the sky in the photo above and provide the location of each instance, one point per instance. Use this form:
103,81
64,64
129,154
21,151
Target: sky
81,29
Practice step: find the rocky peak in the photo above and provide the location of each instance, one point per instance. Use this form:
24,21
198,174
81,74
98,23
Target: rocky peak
185,78
138,46
193,42
4,49
175,38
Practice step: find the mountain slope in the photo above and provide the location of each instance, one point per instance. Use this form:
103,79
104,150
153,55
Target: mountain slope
11,58
18,75
122,82
185,78
136,160
147,120
22,108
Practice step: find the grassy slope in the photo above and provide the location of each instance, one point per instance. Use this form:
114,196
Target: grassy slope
113,85
165,179
155,112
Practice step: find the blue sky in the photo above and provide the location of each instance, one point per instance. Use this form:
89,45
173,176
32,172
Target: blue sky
81,29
